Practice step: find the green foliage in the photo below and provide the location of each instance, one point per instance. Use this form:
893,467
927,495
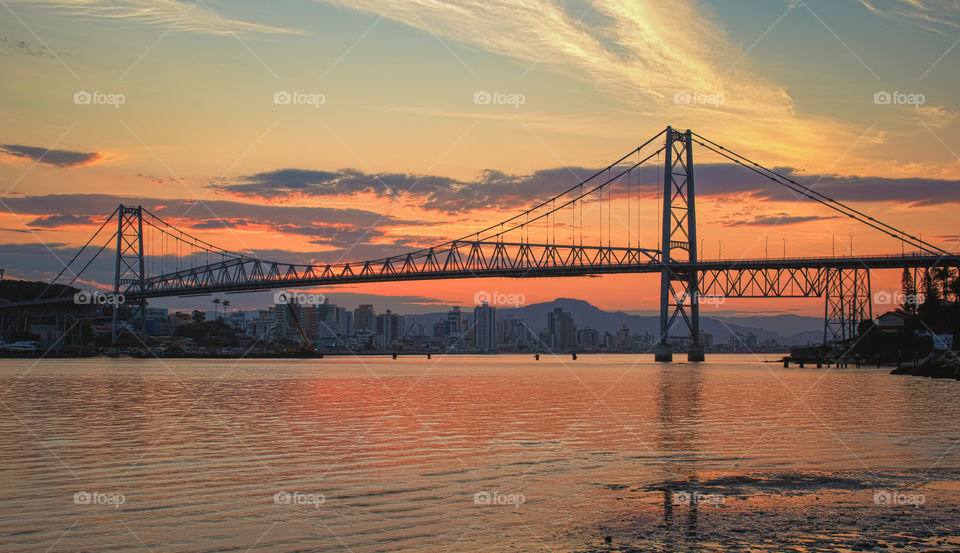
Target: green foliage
209,333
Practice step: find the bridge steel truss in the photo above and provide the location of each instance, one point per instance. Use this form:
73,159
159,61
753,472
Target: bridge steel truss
460,259
846,291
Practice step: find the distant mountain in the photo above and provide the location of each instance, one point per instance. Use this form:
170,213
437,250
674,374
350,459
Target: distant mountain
785,329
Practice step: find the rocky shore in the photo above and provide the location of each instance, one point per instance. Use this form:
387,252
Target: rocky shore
936,365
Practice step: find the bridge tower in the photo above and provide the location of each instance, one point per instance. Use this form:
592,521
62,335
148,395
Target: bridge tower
679,293
848,303
129,272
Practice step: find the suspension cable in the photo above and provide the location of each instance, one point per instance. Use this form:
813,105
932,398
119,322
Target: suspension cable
812,194
74,258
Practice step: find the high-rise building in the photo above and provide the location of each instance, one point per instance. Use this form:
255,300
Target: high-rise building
309,321
262,324
560,324
389,328
365,319
588,337
484,327
328,326
345,319
236,319
623,339
285,319
157,321
514,332
455,322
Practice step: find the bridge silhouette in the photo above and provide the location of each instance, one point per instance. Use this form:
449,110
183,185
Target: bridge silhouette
569,234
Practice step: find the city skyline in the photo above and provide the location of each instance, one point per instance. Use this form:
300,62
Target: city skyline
481,328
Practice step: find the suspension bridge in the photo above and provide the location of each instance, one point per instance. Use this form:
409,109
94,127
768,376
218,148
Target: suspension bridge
569,234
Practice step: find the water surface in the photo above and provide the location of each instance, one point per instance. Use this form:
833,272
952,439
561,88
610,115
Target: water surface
473,453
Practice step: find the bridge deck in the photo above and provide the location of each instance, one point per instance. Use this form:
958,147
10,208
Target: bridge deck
280,281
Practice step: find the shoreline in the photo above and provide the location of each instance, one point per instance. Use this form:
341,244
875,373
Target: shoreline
311,355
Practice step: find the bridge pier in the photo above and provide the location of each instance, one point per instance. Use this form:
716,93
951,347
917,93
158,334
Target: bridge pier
662,352
695,353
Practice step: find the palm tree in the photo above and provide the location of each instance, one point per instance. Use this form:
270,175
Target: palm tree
216,302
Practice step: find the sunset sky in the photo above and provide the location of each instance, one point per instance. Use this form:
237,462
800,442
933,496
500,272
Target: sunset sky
387,150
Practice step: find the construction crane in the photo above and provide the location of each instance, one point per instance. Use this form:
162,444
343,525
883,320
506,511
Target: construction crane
306,345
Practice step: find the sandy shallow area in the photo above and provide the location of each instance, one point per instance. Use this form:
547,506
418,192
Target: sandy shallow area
790,511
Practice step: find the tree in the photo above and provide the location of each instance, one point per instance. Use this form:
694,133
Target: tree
941,276
908,290
216,302
930,289
198,316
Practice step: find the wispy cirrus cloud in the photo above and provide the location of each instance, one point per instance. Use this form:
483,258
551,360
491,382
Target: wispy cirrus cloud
934,15
640,54
56,158
177,15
